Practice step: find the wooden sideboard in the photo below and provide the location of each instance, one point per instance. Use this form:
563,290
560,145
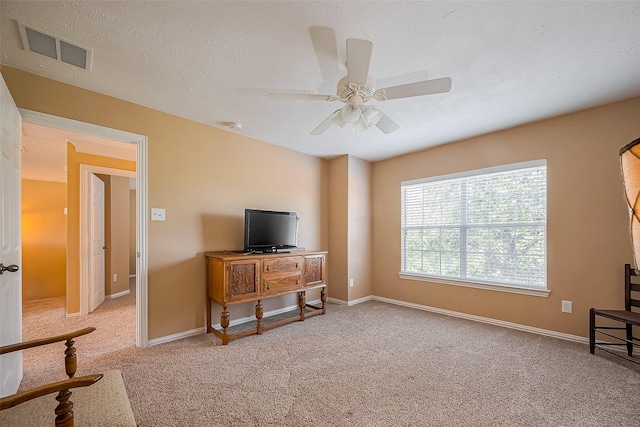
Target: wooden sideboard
236,278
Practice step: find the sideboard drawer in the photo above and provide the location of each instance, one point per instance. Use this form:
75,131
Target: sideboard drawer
276,265
277,283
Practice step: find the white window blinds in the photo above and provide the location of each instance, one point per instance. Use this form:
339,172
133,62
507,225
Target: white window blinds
485,226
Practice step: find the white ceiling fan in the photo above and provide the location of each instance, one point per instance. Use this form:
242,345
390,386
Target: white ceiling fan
358,87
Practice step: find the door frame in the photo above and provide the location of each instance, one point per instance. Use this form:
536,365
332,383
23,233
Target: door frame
85,246
142,225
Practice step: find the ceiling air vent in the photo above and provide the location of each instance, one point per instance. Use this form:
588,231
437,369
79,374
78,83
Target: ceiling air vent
54,48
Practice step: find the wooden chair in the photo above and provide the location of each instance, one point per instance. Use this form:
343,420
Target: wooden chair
64,410
627,316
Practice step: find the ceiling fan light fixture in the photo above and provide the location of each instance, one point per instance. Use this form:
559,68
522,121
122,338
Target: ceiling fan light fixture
360,125
338,120
371,115
350,113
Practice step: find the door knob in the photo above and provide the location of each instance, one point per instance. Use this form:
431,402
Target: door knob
10,268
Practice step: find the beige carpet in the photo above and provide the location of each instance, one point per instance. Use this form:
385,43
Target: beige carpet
373,364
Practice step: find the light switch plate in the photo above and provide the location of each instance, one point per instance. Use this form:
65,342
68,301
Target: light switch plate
157,214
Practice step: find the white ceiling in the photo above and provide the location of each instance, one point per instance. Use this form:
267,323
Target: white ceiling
511,62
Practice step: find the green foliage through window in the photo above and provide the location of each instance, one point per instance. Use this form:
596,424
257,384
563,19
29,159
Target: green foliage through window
484,226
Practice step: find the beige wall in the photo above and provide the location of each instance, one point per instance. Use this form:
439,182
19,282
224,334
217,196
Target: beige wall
44,239
132,232
349,228
204,177
587,236
116,190
359,223
338,259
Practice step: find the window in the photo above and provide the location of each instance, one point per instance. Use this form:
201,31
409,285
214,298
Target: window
486,226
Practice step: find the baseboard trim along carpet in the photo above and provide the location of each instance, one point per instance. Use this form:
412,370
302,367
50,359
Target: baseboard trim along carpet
510,325
175,337
504,324
117,294
352,302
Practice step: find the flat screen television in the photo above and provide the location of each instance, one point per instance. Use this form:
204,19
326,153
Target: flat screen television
270,231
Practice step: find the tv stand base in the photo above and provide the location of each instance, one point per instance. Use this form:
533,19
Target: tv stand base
305,311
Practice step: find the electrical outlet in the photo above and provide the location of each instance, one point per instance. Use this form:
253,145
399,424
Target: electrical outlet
115,277
157,214
351,283
567,306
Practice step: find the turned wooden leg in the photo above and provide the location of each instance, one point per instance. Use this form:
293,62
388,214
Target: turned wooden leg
64,410
259,314
323,298
224,322
592,331
208,319
302,302
70,362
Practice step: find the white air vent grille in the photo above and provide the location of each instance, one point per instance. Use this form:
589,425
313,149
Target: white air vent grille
52,47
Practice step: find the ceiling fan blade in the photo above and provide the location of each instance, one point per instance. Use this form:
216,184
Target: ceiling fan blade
324,44
358,60
426,87
300,97
326,124
386,125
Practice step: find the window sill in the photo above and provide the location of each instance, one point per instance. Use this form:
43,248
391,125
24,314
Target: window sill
491,287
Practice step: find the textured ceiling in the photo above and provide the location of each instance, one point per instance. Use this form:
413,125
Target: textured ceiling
215,62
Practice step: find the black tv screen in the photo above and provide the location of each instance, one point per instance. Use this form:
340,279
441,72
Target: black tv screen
268,231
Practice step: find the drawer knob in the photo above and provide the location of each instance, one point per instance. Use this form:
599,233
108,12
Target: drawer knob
268,285
296,265
268,267
297,281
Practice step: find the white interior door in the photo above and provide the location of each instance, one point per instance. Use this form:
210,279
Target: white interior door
10,241
96,238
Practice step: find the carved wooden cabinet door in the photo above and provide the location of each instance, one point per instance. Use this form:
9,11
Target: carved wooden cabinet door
243,278
314,269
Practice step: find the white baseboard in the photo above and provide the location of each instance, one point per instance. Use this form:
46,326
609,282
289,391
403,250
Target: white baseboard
70,315
352,302
488,320
117,294
177,336
525,328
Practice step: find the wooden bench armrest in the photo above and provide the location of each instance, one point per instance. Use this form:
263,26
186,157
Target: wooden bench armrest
44,341
18,398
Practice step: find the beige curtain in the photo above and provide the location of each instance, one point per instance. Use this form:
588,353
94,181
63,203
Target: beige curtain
630,164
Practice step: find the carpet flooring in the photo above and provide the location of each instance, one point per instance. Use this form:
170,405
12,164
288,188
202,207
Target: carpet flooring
372,364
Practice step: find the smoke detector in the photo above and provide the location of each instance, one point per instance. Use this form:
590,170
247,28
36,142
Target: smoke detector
55,48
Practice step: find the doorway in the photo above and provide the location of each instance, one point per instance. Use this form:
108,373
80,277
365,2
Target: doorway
140,142
90,270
